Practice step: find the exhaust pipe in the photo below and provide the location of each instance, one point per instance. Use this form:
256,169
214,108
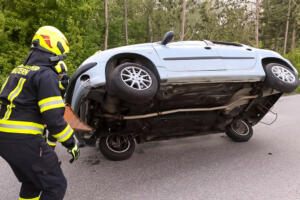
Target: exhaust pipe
240,101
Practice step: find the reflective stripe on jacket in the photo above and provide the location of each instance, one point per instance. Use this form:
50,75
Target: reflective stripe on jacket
10,126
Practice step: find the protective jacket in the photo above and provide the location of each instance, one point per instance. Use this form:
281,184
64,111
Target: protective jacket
30,99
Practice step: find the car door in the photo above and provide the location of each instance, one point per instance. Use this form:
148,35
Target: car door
236,57
189,56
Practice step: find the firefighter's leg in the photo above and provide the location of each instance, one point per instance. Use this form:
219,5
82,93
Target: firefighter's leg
29,192
49,175
35,162
54,185
18,156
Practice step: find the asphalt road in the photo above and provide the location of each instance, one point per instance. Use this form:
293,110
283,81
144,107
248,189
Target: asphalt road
205,167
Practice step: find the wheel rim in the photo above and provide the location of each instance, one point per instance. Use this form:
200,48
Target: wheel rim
118,143
240,128
136,78
283,74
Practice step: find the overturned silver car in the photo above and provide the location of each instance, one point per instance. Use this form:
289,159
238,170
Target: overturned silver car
155,91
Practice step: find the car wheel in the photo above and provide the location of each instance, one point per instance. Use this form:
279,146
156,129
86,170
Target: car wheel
281,78
133,83
239,131
117,147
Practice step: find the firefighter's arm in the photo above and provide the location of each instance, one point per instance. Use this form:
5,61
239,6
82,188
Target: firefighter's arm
52,108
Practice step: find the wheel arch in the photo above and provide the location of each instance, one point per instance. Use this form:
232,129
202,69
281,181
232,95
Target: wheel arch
268,60
118,59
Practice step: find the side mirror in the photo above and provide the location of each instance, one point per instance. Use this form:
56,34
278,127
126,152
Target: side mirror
168,37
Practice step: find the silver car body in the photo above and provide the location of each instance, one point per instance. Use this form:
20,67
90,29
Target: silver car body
184,62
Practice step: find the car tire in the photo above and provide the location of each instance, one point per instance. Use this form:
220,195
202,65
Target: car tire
281,78
239,131
117,147
133,83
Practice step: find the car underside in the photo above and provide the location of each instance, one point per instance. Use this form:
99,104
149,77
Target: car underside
178,110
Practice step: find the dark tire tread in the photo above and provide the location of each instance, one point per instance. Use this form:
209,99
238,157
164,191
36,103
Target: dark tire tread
110,155
273,82
239,138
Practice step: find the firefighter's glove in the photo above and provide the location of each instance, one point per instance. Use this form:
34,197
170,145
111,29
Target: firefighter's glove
72,147
63,84
75,152
65,81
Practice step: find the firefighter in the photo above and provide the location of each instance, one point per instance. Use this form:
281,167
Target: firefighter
30,98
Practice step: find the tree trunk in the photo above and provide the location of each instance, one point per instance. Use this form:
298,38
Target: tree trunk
149,30
287,27
183,19
276,42
125,22
257,11
106,25
293,45
148,11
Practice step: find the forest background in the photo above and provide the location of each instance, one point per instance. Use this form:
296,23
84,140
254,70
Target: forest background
92,25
